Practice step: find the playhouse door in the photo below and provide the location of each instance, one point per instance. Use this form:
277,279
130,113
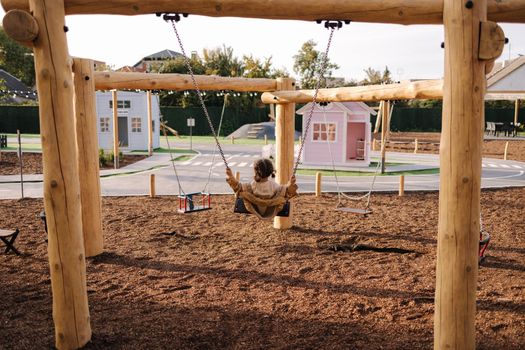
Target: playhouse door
123,131
355,141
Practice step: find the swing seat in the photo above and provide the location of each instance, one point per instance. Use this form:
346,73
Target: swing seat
240,208
363,212
192,202
484,239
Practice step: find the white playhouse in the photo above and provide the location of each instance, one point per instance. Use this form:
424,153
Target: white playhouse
340,131
132,120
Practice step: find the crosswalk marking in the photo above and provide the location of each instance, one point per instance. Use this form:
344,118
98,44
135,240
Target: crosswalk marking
232,163
492,165
242,165
218,164
504,166
197,163
207,164
517,166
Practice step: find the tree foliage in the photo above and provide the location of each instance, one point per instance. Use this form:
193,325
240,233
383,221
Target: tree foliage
375,77
16,59
308,64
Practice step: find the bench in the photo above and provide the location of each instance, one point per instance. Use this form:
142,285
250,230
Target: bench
9,238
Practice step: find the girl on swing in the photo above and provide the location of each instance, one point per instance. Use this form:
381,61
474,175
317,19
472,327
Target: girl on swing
262,197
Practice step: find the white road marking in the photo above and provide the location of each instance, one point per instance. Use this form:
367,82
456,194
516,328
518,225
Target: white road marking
232,164
492,165
242,165
504,166
207,164
517,166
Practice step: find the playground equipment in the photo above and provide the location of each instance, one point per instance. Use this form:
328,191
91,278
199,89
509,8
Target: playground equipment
472,43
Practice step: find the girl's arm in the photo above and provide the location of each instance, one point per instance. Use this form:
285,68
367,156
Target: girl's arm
291,188
232,181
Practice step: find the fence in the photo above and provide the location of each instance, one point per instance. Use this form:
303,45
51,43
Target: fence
25,118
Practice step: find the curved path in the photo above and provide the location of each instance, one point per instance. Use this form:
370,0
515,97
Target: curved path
194,173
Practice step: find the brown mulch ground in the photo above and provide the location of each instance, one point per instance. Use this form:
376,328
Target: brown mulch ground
218,280
32,163
429,143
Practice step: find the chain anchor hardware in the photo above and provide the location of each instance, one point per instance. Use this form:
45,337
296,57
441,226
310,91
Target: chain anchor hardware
171,16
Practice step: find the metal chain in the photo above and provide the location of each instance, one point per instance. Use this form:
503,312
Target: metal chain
324,63
201,100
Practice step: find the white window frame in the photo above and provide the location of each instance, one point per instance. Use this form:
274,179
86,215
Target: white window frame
103,124
318,126
134,127
121,104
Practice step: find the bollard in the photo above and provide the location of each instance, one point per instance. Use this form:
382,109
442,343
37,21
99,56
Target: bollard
318,184
152,185
506,150
265,139
233,139
415,145
401,185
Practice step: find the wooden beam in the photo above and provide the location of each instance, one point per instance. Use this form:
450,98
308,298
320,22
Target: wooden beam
88,160
385,108
61,182
284,147
20,26
154,81
115,130
516,111
460,176
150,124
424,89
373,11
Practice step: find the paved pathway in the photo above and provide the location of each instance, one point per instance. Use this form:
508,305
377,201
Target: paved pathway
206,172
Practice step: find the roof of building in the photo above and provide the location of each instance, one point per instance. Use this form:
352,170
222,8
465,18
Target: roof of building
159,56
350,107
12,83
504,69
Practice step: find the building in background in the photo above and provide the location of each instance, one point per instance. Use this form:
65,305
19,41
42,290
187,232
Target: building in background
132,120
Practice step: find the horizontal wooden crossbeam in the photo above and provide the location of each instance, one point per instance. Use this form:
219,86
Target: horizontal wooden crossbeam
424,89
375,11
154,81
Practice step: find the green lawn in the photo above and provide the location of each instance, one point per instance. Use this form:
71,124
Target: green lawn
366,173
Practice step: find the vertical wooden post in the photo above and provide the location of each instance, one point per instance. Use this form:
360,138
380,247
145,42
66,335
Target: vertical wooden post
506,150
416,145
284,146
150,124
152,185
88,162
237,176
460,169
384,121
318,184
516,111
232,139
374,145
265,139
401,185
115,130
61,184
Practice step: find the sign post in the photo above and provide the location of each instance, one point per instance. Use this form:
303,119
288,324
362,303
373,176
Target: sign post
191,124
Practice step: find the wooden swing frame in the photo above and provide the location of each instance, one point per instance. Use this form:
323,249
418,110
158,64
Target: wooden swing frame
472,43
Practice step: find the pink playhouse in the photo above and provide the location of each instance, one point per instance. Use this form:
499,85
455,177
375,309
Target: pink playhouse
342,126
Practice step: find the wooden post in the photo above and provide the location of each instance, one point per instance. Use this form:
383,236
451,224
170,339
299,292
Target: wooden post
284,146
238,176
374,145
232,139
460,169
150,124
401,185
152,185
415,146
265,139
88,162
516,111
506,150
61,182
115,130
318,184
384,128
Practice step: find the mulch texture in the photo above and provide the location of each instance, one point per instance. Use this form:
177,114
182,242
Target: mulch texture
218,280
32,163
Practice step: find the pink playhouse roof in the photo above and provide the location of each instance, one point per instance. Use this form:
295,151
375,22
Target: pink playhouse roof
350,107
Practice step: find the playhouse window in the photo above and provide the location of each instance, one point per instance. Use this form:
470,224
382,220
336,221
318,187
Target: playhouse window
324,132
104,124
121,104
136,124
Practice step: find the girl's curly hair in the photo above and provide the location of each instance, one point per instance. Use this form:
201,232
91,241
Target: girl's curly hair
263,168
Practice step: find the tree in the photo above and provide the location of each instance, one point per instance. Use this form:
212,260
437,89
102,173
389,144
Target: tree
220,61
307,63
375,77
16,59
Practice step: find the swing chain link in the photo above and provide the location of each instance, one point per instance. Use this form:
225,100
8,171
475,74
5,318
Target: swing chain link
324,63
201,100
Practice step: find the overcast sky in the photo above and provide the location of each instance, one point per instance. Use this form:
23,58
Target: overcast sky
408,51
